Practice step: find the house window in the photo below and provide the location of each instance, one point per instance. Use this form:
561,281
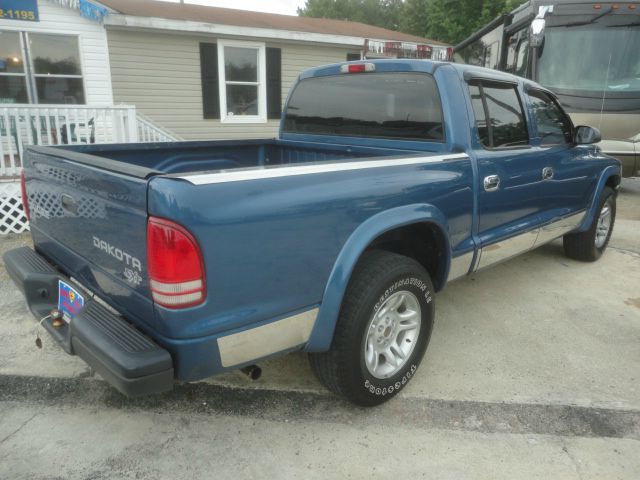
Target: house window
40,68
56,68
242,80
13,77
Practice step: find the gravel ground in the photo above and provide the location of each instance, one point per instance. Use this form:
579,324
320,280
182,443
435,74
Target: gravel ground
532,372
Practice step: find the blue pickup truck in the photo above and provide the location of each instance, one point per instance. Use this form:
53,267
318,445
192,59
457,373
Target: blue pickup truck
170,262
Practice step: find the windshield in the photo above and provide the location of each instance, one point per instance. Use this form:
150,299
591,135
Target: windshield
594,58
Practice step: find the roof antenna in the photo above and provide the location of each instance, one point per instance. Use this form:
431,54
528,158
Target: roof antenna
604,90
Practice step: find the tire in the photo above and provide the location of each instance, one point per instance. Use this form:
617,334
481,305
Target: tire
353,368
589,246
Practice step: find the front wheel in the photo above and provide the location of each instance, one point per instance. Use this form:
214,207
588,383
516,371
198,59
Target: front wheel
382,332
588,246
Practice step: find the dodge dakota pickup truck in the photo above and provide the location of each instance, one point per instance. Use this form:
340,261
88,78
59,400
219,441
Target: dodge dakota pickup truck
166,262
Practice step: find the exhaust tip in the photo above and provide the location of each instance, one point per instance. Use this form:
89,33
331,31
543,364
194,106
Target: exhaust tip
254,372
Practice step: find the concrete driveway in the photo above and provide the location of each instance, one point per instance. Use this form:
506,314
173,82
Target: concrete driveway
532,372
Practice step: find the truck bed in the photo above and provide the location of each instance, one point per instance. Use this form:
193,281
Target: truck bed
90,205
200,156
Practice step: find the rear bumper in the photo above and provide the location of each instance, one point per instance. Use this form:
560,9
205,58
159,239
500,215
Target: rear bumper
122,355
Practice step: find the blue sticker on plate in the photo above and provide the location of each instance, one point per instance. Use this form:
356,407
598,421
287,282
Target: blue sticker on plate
70,302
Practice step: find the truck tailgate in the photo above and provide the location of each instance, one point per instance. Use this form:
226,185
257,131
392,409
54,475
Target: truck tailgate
91,222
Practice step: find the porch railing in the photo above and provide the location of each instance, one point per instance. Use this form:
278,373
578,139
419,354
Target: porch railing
70,125
150,132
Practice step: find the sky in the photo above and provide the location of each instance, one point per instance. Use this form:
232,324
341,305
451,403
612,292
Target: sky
285,7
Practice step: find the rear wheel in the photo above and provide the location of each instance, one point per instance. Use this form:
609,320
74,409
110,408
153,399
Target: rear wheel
588,246
382,332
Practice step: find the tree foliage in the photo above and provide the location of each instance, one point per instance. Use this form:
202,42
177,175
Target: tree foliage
453,20
381,13
446,20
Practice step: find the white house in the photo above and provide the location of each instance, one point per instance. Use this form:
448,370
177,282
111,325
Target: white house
59,56
55,80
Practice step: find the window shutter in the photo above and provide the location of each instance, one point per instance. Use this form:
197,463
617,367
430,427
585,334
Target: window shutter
209,77
274,83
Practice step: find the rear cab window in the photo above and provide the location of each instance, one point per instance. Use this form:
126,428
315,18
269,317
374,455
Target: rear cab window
400,106
500,103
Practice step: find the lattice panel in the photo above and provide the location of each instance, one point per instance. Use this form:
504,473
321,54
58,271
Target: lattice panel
47,204
12,217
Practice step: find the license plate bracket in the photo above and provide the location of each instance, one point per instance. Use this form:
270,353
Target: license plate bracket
70,301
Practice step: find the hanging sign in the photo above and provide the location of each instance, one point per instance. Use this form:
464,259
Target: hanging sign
384,48
92,11
24,10
86,8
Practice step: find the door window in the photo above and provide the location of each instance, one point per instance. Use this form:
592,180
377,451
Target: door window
500,103
479,112
554,127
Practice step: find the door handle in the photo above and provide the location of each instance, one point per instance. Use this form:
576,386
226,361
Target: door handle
68,203
491,183
547,173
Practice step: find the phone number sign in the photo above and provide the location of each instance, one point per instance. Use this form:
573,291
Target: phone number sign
25,10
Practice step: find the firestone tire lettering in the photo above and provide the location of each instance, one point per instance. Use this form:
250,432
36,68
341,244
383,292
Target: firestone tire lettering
343,369
391,388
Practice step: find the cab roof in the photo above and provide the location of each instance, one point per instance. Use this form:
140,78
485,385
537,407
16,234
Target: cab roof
411,65
465,71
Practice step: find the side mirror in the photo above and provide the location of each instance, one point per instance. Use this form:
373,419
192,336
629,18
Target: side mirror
536,32
586,135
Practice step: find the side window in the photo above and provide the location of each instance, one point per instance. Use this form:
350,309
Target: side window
500,104
481,118
553,124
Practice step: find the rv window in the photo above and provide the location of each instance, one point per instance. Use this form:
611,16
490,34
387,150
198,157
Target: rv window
518,54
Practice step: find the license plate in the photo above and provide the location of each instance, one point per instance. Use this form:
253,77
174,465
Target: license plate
70,302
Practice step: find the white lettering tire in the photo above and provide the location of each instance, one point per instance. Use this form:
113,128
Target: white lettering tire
388,307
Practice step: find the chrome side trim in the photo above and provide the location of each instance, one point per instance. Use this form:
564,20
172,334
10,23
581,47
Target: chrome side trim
460,266
558,228
505,249
630,153
243,347
497,252
275,172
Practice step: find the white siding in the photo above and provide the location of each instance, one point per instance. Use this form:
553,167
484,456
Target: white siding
160,74
92,41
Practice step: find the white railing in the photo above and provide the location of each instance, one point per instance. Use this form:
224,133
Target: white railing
150,132
70,125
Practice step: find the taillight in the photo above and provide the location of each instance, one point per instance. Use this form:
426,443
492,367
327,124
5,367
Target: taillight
176,269
23,194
